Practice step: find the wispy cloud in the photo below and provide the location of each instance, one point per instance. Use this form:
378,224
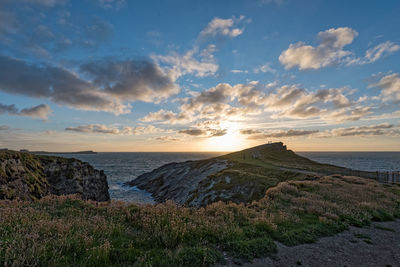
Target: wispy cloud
390,87
112,4
4,128
258,134
114,130
370,130
223,27
265,68
41,111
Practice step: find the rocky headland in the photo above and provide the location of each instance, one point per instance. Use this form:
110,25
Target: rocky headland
241,176
28,177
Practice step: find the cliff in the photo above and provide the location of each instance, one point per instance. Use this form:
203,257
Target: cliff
26,176
178,181
242,176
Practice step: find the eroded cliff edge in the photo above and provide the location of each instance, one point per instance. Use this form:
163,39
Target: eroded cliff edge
26,176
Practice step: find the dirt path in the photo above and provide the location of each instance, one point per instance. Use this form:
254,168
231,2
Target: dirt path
376,245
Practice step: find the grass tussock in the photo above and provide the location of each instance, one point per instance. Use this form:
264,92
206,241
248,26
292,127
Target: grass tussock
59,231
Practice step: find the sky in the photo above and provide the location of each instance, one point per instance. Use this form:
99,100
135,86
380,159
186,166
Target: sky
119,75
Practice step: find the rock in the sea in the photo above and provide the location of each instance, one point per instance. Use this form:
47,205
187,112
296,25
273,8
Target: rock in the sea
26,176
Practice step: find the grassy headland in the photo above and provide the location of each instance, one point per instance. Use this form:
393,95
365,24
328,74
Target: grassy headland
252,171
61,231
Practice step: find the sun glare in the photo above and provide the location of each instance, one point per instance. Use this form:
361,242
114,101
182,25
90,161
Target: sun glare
231,141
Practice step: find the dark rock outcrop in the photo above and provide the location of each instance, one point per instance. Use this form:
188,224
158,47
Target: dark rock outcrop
177,181
28,177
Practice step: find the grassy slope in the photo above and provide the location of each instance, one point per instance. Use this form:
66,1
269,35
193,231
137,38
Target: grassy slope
252,171
67,231
273,158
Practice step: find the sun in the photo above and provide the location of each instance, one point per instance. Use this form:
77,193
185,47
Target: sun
231,141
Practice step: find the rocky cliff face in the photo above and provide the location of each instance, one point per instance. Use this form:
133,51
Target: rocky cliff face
178,181
28,177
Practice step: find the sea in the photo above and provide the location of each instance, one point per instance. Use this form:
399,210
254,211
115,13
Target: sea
121,167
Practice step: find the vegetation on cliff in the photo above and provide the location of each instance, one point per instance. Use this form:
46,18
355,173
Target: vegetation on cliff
25,176
61,231
240,177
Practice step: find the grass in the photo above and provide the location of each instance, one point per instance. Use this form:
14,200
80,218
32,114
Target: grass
30,169
274,157
23,176
252,171
60,231
242,182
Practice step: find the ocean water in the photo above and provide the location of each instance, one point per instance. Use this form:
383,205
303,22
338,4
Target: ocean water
363,161
121,167
124,167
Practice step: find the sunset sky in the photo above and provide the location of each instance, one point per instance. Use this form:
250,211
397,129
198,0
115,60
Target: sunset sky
119,75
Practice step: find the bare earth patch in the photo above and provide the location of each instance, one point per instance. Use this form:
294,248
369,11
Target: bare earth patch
375,245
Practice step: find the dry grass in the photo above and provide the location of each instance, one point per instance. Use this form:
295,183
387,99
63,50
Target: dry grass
59,231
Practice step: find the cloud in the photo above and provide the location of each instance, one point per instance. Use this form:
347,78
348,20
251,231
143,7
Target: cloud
217,132
8,24
11,109
277,2
239,71
94,128
248,95
328,52
390,87
371,130
207,132
41,111
98,31
56,83
223,28
167,138
211,104
265,68
354,114
114,130
246,101
199,63
249,131
193,132
375,53
256,134
380,50
113,82
131,79
290,101
165,116
112,4
45,3
4,128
